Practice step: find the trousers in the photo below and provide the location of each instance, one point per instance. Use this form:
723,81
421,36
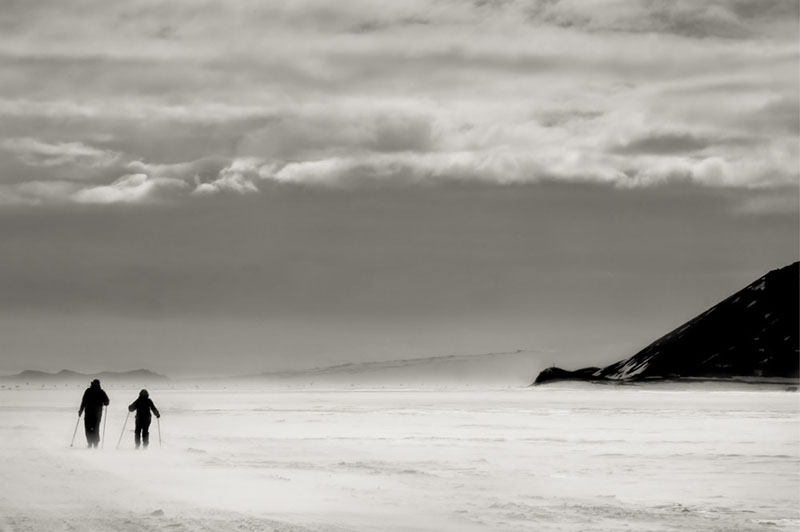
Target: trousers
91,424
142,431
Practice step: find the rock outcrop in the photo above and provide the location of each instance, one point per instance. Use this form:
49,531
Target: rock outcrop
753,333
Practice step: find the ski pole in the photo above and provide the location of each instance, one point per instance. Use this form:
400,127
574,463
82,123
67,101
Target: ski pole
105,418
123,429
76,430
158,422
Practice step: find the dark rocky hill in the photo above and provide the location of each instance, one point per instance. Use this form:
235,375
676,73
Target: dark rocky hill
753,333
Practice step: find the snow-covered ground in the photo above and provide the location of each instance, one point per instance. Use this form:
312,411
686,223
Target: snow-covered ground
558,457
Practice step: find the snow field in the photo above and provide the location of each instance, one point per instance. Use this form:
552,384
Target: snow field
553,458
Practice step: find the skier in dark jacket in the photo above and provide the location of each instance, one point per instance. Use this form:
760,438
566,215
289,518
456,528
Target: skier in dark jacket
94,398
143,405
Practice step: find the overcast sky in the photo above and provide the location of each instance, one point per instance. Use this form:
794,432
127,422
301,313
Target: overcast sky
203,186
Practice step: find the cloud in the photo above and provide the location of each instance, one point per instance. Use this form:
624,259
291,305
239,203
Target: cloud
730,19
323,133
499,167
132,188
615,92
781,113
36,152
238,177
203,169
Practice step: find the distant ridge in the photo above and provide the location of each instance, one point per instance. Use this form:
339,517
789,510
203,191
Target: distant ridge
138,375
361,367
751,334
501,367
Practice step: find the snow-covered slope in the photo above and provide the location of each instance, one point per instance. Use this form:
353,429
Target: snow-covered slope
512,367
753,333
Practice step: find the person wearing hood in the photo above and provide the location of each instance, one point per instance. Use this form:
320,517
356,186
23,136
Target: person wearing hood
143,406
94,399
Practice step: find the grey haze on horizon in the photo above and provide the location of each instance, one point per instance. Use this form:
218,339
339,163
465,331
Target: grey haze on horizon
241,187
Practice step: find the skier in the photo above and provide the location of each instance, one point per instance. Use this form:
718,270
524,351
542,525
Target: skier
143,405
94,398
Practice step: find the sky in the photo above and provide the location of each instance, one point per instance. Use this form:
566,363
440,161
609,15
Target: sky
224,187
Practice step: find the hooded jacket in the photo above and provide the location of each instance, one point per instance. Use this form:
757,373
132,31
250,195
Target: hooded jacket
94,398
143,405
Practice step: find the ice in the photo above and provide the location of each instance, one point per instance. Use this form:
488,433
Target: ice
554,458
